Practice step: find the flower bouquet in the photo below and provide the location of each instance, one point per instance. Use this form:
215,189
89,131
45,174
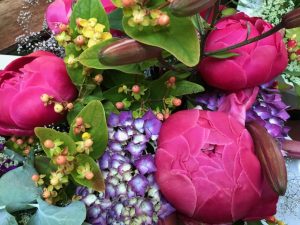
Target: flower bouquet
151,112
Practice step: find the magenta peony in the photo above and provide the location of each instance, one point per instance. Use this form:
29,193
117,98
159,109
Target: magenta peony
207,168
22,83
256,64
59,12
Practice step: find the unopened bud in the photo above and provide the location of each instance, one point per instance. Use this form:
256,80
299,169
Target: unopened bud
136,89
120,105
62,27
35,177
79,121
70,106
176,102
61,160
291,19
190,7
98,78
163,20
45,98
80,40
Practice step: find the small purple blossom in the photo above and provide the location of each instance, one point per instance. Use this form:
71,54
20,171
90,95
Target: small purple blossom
269,110
131,193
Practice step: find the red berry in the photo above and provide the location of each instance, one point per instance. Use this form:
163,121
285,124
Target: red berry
172,80
292,43
49,144
120,105
176,102
136,89
163,20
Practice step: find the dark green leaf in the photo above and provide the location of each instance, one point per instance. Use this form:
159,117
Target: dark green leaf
89,9
113,95
109,108
94,115
97,183
17,188
46,133
186,88
224,55
115,19
73,214
89,58
6,218
115,78
43,165
180,39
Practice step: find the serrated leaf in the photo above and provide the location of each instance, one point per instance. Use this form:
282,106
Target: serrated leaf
89,58
73,214
94,115
17,188
224,55
186,88
46,133
6,218
89,9
179,38
97,183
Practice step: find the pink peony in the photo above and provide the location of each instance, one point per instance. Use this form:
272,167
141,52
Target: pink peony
22,83
59,12
256,64
207,168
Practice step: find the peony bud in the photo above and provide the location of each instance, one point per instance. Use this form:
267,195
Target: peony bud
125,51
270,157
291,19
190,7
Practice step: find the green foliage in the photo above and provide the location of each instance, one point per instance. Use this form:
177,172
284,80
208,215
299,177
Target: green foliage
6,218
86,10
17,188
94,115
186,88
224,55
89,58
97,183
115,19
179,39
73,214
43,165
46,133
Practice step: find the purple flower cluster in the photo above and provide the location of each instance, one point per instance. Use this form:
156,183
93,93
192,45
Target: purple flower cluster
269,109
132,195
6,163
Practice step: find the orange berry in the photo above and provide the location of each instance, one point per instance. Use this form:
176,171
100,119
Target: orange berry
128,3
61,160
35,177
46,194
30,140
88,143
19,142
163,20
176,102
62,27
80,40
120,105
136,89
70,106
172,80
79,121
160,116
49,144
166,116
89,175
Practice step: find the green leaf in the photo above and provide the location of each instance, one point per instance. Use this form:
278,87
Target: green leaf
76,74
43,165
97,183
89,58
116,78
186,88
180,39
46,133
109,108
89,9
224,55
115,19
73,214
94,115
17,188
113,95
6,218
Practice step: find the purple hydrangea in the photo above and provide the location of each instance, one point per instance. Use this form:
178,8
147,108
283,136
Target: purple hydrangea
6,162
132,195
269,109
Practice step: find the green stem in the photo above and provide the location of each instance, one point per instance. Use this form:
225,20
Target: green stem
246,42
